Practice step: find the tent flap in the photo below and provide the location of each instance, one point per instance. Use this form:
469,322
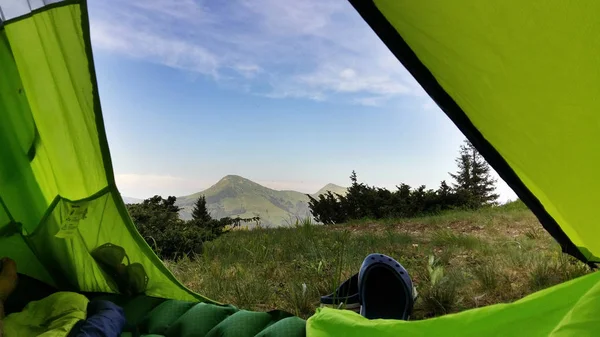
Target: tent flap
521,85
59,198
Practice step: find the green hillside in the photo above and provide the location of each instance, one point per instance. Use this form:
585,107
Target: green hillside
238,196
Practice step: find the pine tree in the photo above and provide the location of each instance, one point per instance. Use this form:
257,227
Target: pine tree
473,180
354,178
354,198
444,190
445,195
199,212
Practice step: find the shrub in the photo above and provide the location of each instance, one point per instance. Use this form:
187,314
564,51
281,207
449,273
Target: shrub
548,271
364,201
473,188
441,295
158,222
487,275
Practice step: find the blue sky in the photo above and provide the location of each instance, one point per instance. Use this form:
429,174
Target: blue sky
293,95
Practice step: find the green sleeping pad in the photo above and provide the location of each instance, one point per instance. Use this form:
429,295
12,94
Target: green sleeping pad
148,316
152,316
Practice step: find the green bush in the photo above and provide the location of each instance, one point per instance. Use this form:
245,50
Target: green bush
473,188
441,295
157,220
363,201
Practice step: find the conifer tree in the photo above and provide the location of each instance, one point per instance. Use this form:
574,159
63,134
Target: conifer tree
200,212
473,180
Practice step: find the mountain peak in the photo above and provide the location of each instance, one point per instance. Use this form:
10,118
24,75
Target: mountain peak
234,196
233,179
333,188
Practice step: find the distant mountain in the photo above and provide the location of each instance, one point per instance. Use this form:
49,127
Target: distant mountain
333,188
237,196
130,200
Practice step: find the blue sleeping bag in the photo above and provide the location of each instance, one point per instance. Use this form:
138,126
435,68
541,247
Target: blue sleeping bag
104,319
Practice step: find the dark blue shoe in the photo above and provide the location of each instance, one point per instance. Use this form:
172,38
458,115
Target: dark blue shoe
385,288
344,297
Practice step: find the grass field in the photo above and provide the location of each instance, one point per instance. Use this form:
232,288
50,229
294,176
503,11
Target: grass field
479,258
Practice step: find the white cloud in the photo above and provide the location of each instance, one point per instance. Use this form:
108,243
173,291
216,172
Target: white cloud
179,54
180,9
371,101
315,49
247,70
349,81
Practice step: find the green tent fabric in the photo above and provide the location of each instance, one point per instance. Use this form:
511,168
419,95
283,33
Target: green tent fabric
519,79
58,198
61,216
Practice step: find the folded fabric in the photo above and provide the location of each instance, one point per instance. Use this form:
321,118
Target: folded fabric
52,316
128,279
105,319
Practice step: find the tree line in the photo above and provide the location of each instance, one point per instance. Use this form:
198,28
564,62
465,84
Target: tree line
473,187
157,220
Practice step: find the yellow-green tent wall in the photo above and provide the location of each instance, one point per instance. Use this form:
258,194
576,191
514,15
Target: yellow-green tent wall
58,198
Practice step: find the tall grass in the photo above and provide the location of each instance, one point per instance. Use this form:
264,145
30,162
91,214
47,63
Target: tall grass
555,269
449,239
488,276
485,257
